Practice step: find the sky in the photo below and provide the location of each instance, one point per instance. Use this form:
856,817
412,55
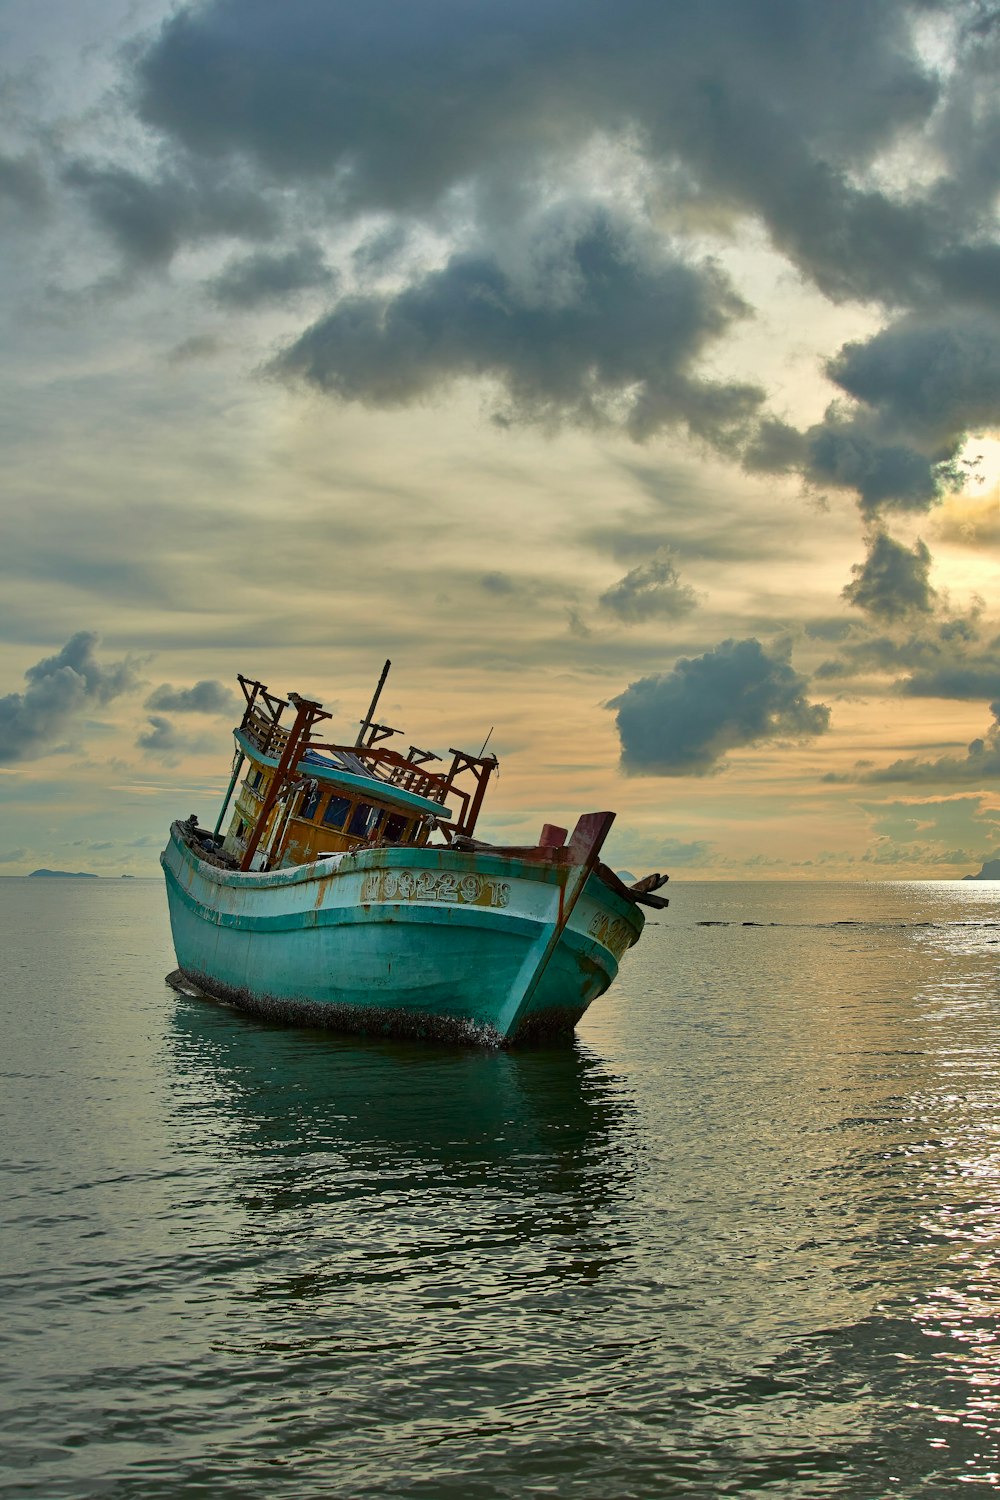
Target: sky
628,374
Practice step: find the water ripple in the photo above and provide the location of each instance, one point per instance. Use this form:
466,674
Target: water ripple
743,1237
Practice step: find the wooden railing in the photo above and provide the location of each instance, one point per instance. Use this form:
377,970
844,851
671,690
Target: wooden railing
260,726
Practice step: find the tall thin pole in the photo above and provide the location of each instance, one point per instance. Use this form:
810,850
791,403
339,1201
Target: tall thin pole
371,708
238,760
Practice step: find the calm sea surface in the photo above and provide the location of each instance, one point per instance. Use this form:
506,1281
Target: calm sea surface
742,1238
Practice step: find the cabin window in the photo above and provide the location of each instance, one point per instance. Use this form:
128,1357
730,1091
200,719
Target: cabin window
256,779
336,811
364,820
309,803
240,828
395,827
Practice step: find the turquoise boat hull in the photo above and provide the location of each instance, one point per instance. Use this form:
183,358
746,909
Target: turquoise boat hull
434,942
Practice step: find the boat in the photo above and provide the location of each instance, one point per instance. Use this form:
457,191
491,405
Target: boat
349,890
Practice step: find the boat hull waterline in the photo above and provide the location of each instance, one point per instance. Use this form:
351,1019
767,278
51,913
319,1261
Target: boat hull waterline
436,942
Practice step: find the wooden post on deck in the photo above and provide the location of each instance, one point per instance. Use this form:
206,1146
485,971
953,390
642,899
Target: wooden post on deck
306,714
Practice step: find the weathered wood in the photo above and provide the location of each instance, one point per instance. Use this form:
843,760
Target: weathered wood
371,707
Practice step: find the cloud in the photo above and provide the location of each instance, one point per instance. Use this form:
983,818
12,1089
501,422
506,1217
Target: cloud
770,108
59,687
931,655
198,346
769,100
651,590
980,763
683,722
498,583
851,453
775,448
150,218
164,740
932,379
684,852
917,389
966,676
956,830
206,697
871,168
595,325
893,581
830,629
271,276
24,195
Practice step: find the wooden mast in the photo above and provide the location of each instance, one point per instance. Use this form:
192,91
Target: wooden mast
366,721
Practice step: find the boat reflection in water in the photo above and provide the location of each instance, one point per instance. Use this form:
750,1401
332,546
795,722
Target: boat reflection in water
447,1173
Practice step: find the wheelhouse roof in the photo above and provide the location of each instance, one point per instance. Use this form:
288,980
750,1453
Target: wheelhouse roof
314,764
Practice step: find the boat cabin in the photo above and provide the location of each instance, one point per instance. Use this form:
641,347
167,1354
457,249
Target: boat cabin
301,799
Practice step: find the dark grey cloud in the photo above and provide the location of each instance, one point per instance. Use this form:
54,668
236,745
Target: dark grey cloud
683,722
979,764
382,249
23,190
972,679
652,590
498,583
968,133
893,581
406,101
830,629
468,117
150,218
929,657
852,453
198,346
934,380
917,390
272,122
776,448
599,326
58,687
774,108
205,697
271,276
914,393
162,739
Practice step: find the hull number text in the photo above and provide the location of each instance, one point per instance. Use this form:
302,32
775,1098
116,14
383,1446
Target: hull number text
612,933
434,885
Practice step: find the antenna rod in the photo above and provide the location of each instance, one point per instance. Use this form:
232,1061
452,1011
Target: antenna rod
486,742
371,709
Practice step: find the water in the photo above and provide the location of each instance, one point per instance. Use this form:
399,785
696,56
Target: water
741,1239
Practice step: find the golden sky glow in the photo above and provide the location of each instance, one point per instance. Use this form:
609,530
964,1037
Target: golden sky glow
630,378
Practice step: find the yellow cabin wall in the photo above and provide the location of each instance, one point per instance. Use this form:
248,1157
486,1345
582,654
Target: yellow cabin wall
304,840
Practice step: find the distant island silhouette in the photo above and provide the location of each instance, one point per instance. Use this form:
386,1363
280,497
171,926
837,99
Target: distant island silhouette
66,874
990,870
